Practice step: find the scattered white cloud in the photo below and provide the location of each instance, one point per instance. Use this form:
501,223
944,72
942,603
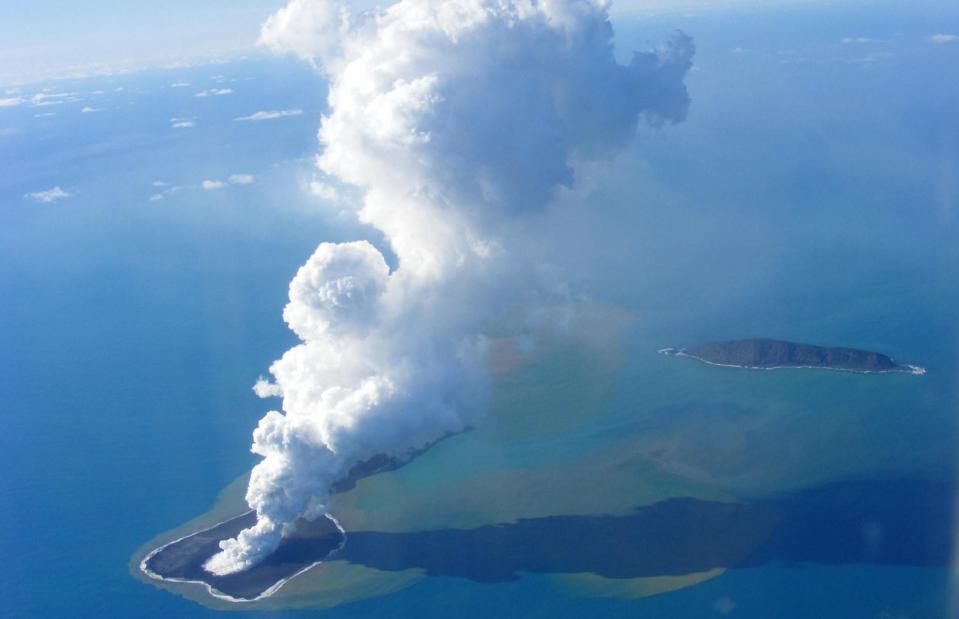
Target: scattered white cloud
179,84
855,40
10,102
91,110
166,188
50,195
871,58
265,389
214,92
737,50
944,38
182,123
44,114
97,92
270,114
43,96
52,98
174,59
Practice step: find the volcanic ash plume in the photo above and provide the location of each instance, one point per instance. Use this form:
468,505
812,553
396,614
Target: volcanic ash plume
455,119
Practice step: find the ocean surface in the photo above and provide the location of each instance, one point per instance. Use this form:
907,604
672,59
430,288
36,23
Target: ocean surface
812,195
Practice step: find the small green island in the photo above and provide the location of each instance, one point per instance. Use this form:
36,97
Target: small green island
768,354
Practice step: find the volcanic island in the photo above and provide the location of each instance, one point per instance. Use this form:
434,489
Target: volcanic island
309,543
768,354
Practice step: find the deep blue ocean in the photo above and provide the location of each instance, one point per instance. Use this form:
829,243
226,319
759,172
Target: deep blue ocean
812,194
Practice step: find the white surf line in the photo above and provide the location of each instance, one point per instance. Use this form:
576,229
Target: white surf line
223,596
915,370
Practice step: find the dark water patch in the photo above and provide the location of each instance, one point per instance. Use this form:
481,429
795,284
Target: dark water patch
889,522
677,536
879,522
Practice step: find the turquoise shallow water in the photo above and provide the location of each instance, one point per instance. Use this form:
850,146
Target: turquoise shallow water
132,331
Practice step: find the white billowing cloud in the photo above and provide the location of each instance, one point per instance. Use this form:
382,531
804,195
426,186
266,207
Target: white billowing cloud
10,101
337,292
944,38
457,120
212,185
308,29
182,123
270,115
50,195
214,92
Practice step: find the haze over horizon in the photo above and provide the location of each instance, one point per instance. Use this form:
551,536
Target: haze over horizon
64,39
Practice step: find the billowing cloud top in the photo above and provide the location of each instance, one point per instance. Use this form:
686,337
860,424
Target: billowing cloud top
337,292
454,118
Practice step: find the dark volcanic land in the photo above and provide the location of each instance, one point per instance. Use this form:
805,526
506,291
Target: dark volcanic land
313,541
763,353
